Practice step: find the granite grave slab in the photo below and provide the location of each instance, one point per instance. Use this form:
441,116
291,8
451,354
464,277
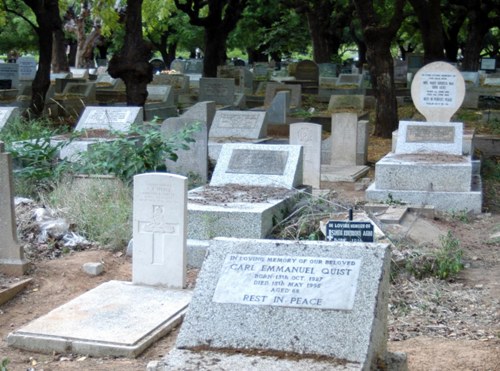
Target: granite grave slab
219,90
109,118
238,124
308,135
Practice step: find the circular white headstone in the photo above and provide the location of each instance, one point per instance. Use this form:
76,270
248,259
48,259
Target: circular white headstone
438,90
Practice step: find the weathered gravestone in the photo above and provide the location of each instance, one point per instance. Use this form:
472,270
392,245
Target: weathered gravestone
243,78
27,68
279,108
309,137
12,260
428,166
352,101
79,73
9,75
121,318
307,71
350,80
193,161
8,114
327,69
109,118
267,165
202,111
221,91
238,124
335,296
82,91
272,88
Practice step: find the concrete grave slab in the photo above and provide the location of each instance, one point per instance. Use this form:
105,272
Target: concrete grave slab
114,319
354,101
238,124
279,108
8,114
269,165
350,79
10,72
338,313
219,90
437,91
109,118
272,88
202,111
308,135
27,68
430,137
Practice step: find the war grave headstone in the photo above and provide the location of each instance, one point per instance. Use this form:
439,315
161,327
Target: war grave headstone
193,161
27,68
236,126
121,318
428,166
160,102
219,90
334,294
12,261
9,75
8,114
348,148
308,135
251,188
272,88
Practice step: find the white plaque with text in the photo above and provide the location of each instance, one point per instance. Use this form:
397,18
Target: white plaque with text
288,281
438,89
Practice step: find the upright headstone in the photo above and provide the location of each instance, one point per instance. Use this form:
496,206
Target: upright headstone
178,65
192,161
27,68
9,75
272,88
344,138
242,77
85,90
437,91
221,91
327,69
161,93
279,108
307,71
109,118
238,124
265,165
202,111
350,80
352,101
12,260
160,230
309,137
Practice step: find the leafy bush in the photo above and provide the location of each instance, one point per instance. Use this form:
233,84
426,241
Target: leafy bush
140,150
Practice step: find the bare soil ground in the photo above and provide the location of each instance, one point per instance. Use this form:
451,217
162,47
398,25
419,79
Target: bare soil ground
441,324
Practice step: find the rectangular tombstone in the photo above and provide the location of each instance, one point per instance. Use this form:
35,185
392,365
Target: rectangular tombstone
161,93
492,81
160,230
109,118
350,79
334,293
268,165
79,73
10,72
86,90
202,111
309,137
12,260
470,78
192,161
180,83
346,101
27,68
239,124
430,137
272,88
327,70
104,80
242,77
221,91
344,139
7,114
307,71
193,66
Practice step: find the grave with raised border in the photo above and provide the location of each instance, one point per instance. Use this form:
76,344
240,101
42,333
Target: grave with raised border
428,166
251,188
102,322
334,293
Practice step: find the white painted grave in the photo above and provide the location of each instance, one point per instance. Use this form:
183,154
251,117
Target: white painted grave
109,118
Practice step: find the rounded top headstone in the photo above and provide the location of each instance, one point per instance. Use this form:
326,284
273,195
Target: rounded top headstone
438,90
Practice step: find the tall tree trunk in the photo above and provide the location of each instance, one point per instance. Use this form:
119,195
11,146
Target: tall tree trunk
215,51
59,58
325,42
131,64
431,28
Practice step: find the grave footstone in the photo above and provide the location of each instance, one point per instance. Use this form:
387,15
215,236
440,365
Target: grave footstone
12,260
309,137
192,162
334,294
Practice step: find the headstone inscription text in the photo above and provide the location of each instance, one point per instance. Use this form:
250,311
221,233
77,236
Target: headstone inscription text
235,120
438,89
105,117
245,161
349,231
288,281
430,134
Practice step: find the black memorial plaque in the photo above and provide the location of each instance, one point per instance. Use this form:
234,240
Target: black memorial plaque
349,231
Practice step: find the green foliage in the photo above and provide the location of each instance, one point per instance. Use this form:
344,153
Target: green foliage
140,150
392,201
80,199
3,365
448,257
461,215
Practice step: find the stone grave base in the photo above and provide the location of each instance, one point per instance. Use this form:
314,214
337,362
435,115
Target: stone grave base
187,360
14,267
424,172
346,173
114,319
442,201
215,145
237,211
468,141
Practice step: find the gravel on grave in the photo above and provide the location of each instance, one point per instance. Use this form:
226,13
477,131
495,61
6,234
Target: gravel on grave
230,193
